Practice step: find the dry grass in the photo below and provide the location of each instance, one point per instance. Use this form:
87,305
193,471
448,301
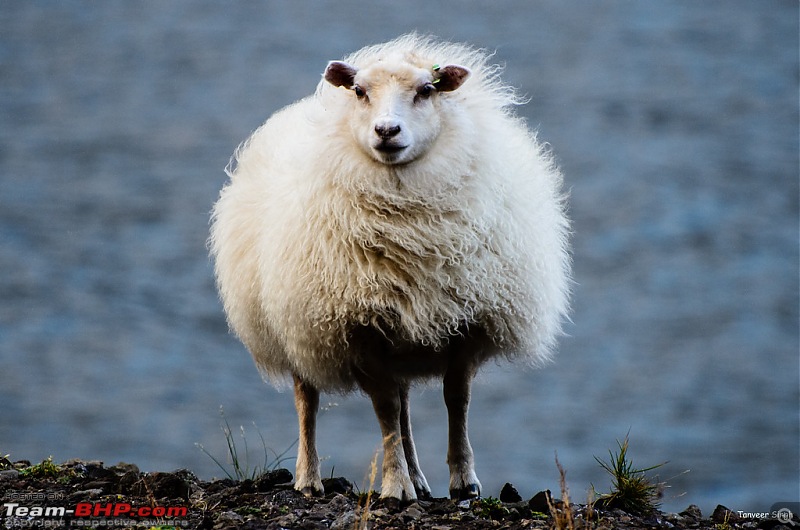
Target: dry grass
563,518
362,521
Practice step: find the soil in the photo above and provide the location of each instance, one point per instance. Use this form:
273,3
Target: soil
87,493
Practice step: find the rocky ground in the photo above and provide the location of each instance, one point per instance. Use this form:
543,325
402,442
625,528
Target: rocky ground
85,493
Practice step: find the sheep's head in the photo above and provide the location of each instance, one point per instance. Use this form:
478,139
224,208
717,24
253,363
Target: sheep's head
396,108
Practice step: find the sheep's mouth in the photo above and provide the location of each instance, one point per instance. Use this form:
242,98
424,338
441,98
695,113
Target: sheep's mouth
389,148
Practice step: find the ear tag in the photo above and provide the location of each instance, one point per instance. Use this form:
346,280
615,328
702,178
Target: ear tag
435,68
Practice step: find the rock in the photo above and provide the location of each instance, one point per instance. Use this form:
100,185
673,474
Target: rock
8,474
246,486
338,505
692,512
675,519
412,513
724,515
22,464
337,485
287,521
95,470
539,502
161,485
220,485
465,504
509,494
102,485
377,513
289,498
270,479
90,493
346,521
174,485
127,482
229,518
122,468
442,506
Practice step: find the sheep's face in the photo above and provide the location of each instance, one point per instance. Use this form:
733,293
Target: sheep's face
395,117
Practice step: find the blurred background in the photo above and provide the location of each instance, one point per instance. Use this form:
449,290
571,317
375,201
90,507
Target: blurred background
676,126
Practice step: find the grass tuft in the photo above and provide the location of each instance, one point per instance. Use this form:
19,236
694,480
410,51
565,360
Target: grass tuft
240,468
632,491
46,468
489,508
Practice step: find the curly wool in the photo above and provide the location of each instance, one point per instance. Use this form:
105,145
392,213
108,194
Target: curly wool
315,242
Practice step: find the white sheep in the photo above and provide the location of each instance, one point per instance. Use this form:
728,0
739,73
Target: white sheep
400,224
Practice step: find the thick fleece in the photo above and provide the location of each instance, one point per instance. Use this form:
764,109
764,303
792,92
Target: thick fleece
322,252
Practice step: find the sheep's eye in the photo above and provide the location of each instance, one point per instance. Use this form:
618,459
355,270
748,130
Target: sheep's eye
425,91
360,92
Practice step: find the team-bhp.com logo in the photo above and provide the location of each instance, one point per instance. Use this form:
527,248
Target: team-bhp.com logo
92,514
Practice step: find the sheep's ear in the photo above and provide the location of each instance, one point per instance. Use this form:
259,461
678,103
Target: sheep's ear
450,77
339,73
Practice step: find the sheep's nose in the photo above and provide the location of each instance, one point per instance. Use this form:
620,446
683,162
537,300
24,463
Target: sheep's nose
387,131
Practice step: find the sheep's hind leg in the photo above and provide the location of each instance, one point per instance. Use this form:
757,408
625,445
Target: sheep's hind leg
417,478
464,482
306,400
395,480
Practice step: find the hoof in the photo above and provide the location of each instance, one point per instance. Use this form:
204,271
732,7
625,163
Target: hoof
423,495
471,491
309,492
392,504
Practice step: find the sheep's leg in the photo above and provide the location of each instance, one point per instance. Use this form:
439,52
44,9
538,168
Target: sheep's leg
306,400
395,480
464,482
414,471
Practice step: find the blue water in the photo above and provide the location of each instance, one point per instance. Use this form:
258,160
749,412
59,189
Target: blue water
675,123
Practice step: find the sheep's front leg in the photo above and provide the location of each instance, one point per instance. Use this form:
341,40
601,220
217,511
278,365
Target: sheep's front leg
306,400
395,480
417,478
464,482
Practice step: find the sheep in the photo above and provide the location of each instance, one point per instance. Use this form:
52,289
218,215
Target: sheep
399,225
